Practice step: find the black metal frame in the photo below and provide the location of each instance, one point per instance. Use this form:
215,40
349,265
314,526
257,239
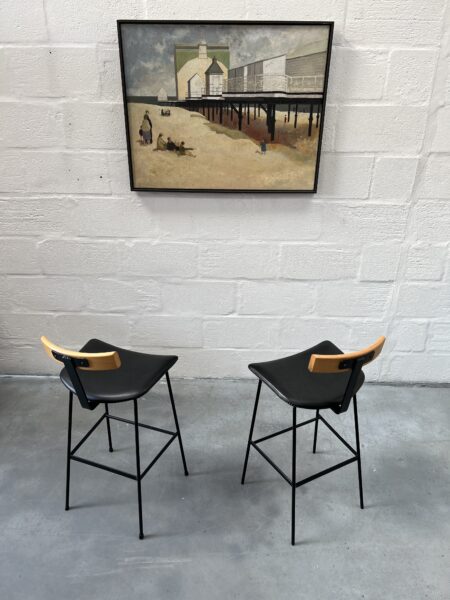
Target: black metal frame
355,366
313,190
139,475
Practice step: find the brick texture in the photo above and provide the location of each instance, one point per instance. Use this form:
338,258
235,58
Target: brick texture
226,280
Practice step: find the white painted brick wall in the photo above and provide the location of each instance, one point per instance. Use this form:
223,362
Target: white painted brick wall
436,179
163,330
155,259
426,261
72,257
62,72
393,178
380,128
353,299
298,333
43,130
43,294
199,297
232,279
357,74
276,298
78,172
432,220
241,332
379,262
302,261
239,261
83,121
441,141
410,76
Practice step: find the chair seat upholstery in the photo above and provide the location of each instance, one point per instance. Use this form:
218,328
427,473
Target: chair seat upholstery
291,380
137,374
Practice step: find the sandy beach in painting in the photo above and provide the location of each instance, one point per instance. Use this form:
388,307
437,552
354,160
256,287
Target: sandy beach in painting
225,158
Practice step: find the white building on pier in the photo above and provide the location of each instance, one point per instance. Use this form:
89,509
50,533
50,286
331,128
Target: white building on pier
302,71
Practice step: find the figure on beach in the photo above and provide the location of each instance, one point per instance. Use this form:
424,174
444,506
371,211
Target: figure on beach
263,147
183,151
171,146
146,129
161,143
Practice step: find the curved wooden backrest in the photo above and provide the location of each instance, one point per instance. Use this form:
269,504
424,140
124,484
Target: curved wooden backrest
89,361
334,363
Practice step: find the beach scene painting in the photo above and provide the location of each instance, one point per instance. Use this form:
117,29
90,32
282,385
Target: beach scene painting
224,106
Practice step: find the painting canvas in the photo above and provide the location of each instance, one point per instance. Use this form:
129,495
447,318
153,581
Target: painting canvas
224,106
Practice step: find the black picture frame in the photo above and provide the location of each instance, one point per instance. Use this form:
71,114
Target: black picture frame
262,98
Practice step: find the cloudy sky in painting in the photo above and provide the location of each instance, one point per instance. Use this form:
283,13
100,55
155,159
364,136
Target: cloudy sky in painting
149,49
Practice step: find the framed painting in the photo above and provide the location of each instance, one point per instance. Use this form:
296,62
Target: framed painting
225,106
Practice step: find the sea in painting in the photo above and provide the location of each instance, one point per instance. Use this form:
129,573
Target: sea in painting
226,107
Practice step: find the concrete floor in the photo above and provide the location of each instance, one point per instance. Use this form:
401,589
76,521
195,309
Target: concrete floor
207,536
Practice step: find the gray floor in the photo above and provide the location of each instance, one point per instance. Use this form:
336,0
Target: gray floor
207,536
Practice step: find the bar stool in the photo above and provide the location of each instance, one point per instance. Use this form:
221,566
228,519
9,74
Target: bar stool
320,378
101,373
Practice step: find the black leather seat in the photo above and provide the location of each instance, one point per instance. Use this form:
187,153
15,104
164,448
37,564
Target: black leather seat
137,374
101,373
291,380
319,378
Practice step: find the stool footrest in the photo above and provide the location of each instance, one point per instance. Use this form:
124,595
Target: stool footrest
325,471
344,463
103,467
135,477
339,437
166,431
272,435
271,463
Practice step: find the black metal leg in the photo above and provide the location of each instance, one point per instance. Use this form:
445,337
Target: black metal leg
138,469
108,427
251,431
176,424
69,444
315,431
355,410
294,470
